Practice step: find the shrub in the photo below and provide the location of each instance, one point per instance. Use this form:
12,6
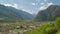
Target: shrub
51,30
57,23
58,32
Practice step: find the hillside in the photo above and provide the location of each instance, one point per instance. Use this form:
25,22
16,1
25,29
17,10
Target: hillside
47,28
48,14
12,14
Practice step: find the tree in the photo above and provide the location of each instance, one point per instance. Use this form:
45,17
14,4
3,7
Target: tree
57,22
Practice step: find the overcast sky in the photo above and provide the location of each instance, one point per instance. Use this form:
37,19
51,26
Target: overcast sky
31,6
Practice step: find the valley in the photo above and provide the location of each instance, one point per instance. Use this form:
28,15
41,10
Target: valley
15,21
18,27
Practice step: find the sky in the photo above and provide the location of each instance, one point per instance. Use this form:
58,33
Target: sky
30,6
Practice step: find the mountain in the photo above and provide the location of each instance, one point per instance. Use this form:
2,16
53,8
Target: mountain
23,14
48,14
13,14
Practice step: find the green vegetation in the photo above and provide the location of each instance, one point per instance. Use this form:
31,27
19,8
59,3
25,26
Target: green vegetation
13,20
47,28
48,14
13,14
57,23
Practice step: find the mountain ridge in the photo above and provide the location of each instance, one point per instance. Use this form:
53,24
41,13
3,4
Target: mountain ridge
12,14
48,14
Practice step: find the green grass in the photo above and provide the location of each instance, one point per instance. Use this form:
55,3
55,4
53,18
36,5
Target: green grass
53,28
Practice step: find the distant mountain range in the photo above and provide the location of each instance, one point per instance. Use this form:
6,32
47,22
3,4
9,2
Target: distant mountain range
13,14
8,13
48,14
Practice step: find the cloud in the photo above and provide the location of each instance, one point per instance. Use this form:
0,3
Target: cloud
24,9
33,4
12,5
42,7
29,11
16,6
49,4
